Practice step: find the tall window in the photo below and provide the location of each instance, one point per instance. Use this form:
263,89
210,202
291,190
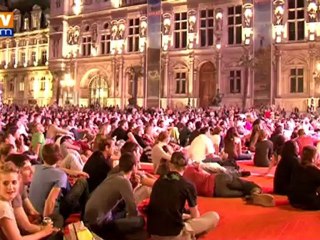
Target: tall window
44,57
296,20
235,25
86,46
206,27
235,81
181,80
33,57
133,35
11,85
296,80
180,30
105,44
58,3
23,58
43,84
13,58
21,86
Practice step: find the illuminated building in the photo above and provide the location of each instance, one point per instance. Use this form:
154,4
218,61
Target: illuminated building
24,73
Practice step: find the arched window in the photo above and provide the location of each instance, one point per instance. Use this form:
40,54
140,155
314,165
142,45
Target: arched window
99,90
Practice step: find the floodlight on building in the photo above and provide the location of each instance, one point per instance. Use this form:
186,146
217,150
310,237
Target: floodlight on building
219,14
116,3
77,7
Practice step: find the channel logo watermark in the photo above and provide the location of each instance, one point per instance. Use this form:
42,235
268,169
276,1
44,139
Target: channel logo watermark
6,24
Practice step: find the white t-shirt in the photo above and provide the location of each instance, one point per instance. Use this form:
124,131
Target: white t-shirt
215,139
72,161
6,211
200,147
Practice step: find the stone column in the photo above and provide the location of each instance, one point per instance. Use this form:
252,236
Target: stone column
190,90
165,76
121,80
279,75
313,92
219,71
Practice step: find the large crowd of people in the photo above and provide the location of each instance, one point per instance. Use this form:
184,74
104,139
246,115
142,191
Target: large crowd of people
57,161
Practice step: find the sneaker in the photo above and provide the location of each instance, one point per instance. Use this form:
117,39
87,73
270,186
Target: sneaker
245,173
265,200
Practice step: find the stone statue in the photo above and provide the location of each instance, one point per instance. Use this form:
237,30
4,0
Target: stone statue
217,99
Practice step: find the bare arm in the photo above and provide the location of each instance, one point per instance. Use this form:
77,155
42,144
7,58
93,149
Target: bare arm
74,173
23,221
194,212
11,231
51,201
29,207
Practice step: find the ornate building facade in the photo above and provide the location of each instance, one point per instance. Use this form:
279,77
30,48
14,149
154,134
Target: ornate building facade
253,51
24,73
296,56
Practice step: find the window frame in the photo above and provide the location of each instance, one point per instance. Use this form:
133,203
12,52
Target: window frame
86,46
105,44
134,36
234,26
206,29
43,84
296,21
180,81
180,32
296,77
235,81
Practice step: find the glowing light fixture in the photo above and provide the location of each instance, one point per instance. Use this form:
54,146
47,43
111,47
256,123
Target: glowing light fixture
77,7
116,3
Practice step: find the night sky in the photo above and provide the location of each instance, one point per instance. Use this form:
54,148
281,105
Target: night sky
26,5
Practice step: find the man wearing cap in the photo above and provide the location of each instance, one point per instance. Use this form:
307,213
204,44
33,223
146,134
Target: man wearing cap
166,218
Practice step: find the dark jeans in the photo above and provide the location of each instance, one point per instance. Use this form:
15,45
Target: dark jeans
75,200
230,185
243,156
58,222
121,228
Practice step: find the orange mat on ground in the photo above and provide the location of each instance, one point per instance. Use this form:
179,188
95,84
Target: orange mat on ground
247,222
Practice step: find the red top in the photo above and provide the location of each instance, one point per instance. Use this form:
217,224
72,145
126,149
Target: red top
304,141
203,181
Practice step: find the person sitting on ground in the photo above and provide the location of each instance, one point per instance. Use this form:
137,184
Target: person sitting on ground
49,184
304,140
232,146
37,140
304,191
161,153
9,188
54,130
5,150
201,148
71,156
21,203
226,184
99,163
171,192
282,176
278,141
103,213
263,151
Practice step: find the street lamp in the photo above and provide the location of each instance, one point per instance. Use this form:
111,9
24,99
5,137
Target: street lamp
67,83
